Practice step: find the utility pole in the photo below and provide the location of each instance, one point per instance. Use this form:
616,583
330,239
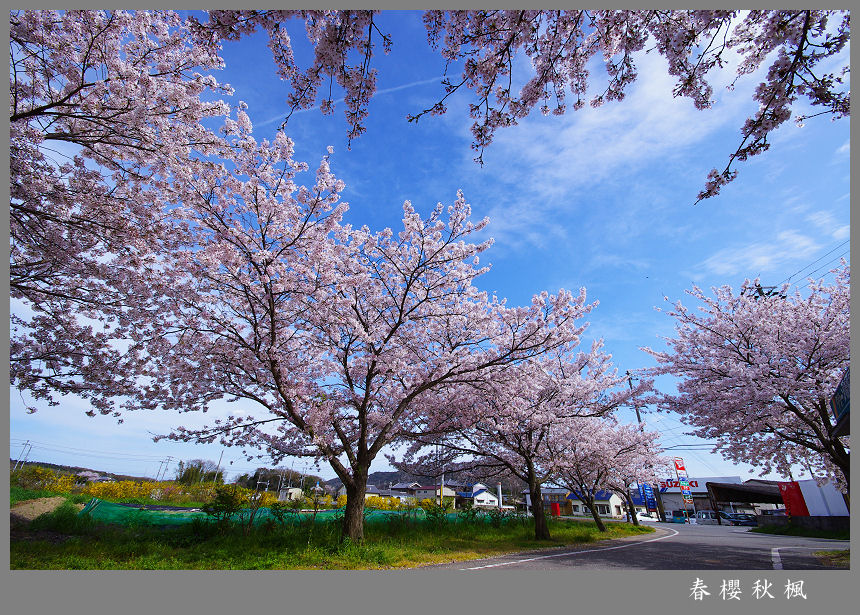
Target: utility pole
30,448
218,467
166,463
660,511
638,420
27,446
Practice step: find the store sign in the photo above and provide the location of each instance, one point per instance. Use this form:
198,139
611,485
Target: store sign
668,484
679,465
650,500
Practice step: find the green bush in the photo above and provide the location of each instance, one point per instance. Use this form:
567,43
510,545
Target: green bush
65,520
467,513
229,500
497,517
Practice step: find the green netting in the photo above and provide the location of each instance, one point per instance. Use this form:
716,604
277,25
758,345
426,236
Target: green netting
110,513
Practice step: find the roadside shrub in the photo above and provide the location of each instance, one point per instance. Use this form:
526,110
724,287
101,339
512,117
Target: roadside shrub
228,501
341,501
437,516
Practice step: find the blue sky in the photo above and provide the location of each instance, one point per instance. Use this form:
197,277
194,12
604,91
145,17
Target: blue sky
596,198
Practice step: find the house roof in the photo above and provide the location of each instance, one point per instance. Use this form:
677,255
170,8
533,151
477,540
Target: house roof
472,494
403,486
599,495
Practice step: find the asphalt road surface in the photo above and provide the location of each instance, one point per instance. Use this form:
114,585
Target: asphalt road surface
673,547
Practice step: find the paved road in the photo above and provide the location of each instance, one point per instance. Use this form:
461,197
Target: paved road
674,547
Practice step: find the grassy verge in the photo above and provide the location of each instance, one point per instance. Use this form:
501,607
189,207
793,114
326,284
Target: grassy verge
793,530
836,559
202,546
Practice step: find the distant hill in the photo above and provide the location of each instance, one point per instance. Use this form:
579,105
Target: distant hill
78,470
383,479
379,479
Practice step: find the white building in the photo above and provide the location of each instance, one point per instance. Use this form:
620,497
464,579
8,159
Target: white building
824,501
480,496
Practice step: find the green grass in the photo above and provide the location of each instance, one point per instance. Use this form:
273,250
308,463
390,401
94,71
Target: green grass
836,559
19,494
794,530
203,546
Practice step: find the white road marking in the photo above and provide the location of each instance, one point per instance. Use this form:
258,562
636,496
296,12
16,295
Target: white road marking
777,560
531,559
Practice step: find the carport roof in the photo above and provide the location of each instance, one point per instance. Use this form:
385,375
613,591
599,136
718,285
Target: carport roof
731,492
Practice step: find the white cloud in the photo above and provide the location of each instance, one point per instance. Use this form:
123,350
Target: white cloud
843,232
828,224
761,256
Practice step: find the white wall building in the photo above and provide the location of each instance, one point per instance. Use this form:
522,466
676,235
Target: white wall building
825,501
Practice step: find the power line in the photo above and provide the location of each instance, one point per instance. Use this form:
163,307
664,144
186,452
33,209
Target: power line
825,265
813,262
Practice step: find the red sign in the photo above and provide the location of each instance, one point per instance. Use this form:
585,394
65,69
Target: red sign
679,465
795,505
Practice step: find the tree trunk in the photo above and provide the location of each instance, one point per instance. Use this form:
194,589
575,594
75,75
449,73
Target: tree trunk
631,507
353,515
589,501
541,528
846,467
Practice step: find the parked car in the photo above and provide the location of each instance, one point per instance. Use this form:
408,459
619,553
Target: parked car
777,512
640,516
744,519
706,517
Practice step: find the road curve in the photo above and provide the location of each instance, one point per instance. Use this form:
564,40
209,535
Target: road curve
671,547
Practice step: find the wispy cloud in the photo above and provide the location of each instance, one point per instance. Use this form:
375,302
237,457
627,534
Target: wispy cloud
752,259
828,224
397,88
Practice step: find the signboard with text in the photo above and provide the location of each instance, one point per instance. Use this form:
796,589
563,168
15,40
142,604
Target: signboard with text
650,500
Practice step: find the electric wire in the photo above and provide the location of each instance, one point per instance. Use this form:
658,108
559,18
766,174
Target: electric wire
788,279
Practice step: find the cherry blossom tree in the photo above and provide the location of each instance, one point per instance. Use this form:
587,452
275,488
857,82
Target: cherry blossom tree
639,463
508,424
104,107
599,455
107,106
335,334
485,45
757,372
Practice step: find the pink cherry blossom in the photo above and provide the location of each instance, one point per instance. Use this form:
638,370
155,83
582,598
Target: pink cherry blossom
757,374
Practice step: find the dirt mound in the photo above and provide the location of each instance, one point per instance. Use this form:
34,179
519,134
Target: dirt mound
29,510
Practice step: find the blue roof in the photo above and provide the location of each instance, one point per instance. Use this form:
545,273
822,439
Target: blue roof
471,494
637,499
599,495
